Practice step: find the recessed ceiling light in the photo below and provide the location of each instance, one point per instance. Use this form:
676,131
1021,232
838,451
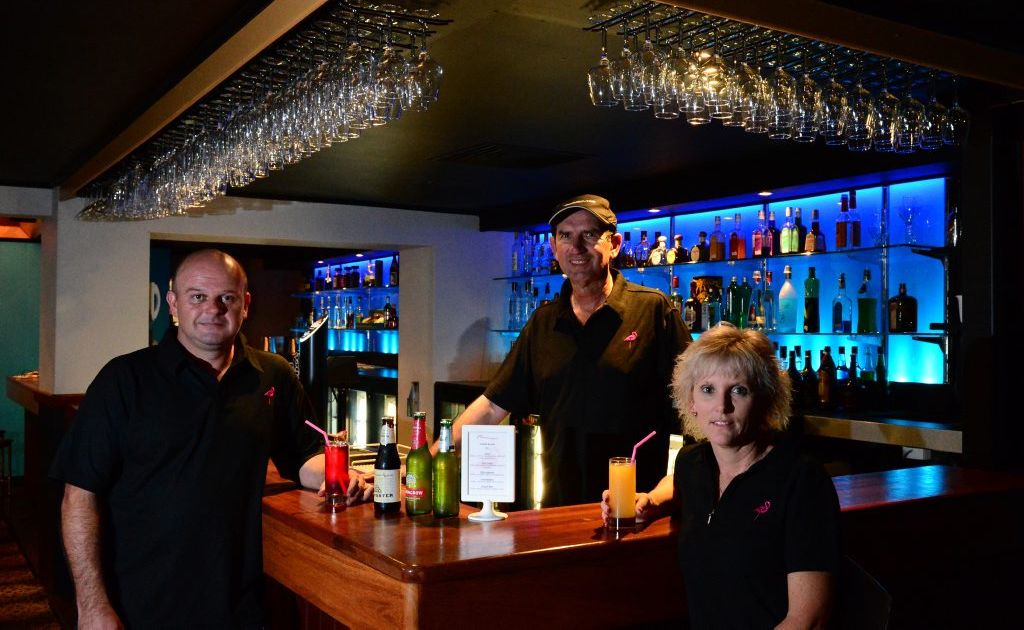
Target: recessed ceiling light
319,262
654,210
765,193
359,255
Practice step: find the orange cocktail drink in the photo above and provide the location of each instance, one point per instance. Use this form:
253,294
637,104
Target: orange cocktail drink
622,491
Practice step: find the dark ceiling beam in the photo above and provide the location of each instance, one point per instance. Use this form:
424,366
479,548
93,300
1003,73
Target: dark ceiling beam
279,17
843,27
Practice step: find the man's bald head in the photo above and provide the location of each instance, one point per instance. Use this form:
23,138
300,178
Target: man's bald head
231,265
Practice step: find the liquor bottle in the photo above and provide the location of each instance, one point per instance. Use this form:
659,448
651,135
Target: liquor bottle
783,356
842,370
328,280
554,268
541,256
692,309
902,311
370,277
737,240
674,297
643,250
717,241
809,379
826,379
700,252
787,303
795,383
799,232
842,240
867,372
757,236
787,235
815,241
446,477
852,393
659,251
771,323
393,271
339,279
812,323
770,244
842,309
853,221
731,311
419,470
626,253
378,266
867,306
514,264
755,314
711,308
386,482
678,254
513,306
390,314
336,318
358,316
350,315
799,358
547,293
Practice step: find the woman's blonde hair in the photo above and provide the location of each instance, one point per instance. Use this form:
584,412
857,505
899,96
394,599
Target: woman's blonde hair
744,351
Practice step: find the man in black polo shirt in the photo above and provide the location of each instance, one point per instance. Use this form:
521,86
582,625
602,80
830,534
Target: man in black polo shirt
165,464
595,364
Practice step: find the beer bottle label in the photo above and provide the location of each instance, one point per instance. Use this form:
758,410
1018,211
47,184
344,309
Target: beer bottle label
385,486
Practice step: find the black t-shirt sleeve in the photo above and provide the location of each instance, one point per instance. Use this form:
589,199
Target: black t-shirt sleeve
294,442
510,387
812,522
89,456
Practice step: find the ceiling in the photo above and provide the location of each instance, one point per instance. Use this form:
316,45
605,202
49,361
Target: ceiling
513,133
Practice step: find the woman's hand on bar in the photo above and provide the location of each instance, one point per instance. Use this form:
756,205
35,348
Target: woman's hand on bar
646,509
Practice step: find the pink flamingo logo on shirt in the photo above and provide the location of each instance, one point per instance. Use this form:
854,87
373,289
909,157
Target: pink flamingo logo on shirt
270,395
630,338
762,509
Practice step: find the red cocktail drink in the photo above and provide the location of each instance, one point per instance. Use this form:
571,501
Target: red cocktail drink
336,473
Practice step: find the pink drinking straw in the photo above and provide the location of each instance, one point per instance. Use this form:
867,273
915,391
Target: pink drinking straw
632,460
327,440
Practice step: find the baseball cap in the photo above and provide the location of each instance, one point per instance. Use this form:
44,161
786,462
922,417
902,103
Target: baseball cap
597,206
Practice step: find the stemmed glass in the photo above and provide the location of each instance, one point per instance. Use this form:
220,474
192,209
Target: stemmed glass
860,118
807,105
958,122
908,211
424,82
908,121
832,115
885,122
933,121
758,99
601,79
628,87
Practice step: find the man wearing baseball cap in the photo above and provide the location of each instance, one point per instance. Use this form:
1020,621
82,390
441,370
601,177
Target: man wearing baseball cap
595,364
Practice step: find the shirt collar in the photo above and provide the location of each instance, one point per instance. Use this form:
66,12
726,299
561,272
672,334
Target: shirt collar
174,356
616,299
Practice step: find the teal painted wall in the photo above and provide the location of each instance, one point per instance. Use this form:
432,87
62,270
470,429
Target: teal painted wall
19,331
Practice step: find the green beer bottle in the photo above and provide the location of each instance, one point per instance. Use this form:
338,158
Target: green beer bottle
418,470
446,478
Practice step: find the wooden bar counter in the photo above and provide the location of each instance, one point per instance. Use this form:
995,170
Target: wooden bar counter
923,532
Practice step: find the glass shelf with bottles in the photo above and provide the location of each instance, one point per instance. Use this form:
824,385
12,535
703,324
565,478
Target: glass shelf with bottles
892,235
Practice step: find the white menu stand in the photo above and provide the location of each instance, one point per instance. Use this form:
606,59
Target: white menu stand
488,469
487,514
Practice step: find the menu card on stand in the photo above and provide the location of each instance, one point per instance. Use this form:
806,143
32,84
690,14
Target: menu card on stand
488,468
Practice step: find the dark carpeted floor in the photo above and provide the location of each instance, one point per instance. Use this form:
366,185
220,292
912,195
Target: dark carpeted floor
23,601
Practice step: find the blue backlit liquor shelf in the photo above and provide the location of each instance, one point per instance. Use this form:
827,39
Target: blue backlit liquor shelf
903,241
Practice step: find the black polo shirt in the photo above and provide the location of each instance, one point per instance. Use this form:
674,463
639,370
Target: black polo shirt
599,388
179,461
778,517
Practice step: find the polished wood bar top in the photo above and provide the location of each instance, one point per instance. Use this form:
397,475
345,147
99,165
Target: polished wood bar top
925,483
424,549
25,391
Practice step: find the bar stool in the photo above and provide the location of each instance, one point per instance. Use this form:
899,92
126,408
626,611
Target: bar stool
6,463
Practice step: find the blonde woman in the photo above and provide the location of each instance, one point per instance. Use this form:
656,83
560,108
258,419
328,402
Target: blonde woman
758,536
